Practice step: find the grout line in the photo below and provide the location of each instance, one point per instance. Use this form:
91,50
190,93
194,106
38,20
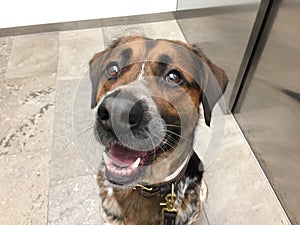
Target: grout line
261,170
205,214
54,116
10,41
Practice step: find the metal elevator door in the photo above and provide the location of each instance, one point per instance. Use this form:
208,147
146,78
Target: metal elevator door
269,109
261,40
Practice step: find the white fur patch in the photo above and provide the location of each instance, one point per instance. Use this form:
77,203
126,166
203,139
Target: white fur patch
191,212
203,191
104,96
109,192
177,171
142,72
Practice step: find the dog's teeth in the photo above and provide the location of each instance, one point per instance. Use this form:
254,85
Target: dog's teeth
117,171
128,171
106,159
136,163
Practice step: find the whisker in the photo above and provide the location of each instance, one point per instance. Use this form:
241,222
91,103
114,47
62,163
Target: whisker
153,145
153,116
169,144
83,122
88,128
178,135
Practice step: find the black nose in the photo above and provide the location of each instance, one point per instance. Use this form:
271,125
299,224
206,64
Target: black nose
120,112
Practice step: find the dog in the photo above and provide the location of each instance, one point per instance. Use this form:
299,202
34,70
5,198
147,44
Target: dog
146,95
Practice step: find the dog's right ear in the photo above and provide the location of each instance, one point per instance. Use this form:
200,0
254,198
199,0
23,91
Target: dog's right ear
215,86
95,65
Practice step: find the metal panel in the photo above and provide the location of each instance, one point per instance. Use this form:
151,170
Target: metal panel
223,32
269,114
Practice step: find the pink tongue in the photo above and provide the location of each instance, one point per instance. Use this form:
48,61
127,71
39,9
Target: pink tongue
124,156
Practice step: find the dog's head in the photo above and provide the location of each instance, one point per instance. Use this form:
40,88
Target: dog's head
147,95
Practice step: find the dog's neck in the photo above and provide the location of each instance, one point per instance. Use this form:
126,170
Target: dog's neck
168,167
181,169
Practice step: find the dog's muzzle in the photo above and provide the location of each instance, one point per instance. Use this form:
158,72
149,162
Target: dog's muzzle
133,133
130,120
121,114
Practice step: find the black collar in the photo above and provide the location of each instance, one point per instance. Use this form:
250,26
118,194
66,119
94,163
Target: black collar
193,169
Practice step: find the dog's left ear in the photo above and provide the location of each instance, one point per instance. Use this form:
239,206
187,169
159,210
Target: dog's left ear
95,64
215,85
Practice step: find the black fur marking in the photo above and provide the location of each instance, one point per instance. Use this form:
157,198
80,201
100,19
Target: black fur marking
150,44
111,216
195,168
126,55
165,59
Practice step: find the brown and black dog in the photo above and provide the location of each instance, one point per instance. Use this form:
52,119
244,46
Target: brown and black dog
146,94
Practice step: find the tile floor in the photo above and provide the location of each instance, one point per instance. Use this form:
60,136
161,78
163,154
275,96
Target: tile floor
44,177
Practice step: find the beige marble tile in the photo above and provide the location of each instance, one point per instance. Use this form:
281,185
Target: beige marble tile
83,126
74,201
112,33
26,114
66,158
238,191
5,49
165,29
76,49
67,161
33,55
24,188
203,218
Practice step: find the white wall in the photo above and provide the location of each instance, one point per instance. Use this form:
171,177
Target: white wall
193,4
30,12
16,13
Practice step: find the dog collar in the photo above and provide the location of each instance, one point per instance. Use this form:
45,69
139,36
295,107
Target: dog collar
192,169
160,189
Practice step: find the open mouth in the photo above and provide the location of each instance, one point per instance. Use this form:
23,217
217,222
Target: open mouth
124,165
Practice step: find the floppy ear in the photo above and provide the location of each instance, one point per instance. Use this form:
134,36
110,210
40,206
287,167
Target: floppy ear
95,65
213,90
215,85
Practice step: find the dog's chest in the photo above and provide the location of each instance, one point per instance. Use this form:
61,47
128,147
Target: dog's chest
128,207
137,209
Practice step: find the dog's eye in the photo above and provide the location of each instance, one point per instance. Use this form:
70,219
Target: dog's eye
174,76
112,70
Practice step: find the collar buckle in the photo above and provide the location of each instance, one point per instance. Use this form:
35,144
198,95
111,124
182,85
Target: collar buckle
169,212
170,201
142,187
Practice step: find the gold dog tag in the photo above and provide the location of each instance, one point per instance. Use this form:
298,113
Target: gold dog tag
170,202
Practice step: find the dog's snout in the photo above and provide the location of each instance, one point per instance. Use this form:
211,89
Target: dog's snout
104,116
136,115
120,114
